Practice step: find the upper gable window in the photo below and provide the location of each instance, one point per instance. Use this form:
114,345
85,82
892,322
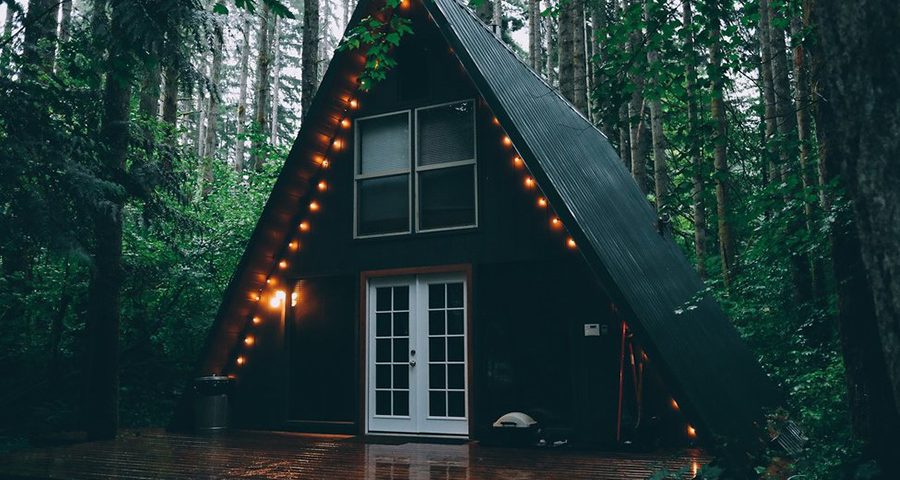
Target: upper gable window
440,176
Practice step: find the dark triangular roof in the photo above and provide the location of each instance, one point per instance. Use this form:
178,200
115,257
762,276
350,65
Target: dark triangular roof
711,372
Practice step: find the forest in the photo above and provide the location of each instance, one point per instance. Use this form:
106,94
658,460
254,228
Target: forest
139,140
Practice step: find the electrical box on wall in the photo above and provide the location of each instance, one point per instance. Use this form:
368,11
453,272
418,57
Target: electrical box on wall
591,329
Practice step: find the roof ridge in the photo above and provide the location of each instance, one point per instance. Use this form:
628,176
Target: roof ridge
553,89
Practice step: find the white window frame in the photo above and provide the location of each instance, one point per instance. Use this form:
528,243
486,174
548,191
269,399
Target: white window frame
413,170
357,176
438,166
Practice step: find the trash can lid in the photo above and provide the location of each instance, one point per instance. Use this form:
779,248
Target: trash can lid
213,378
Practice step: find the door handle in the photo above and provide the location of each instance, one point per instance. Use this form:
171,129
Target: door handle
412,362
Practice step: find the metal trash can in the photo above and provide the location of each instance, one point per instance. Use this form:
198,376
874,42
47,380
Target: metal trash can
211,403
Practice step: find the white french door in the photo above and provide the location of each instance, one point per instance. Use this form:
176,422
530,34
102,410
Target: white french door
416,370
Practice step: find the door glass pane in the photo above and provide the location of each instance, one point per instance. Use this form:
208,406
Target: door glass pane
447,197
401,324
383,205
436,295
455,349
456,376
455,322
437,376
383,299
383,350
384,143
401,402
383,324
401,298
456,404
401,350
436,349
401,376
383,402
437,403
436,322
383,376
446,133
454,295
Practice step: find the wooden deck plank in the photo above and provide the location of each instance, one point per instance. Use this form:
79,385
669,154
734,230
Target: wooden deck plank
155,455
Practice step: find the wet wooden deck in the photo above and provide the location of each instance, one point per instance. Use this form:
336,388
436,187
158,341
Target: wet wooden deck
154,454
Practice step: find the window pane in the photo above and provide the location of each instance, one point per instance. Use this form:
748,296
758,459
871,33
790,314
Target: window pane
384,205
456,404
437,404
447,197
401,298
384,143
436,295
401,376
401,324
401,403
446,133
382,402
454,294
382,376
436,322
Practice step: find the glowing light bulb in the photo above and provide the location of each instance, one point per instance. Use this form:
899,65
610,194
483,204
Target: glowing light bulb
325,163
674,404
529,182
354,103
556,222
691,432
345,123
337,144
256,320
294,245
255,297
542,202
249,340
313,206
507,141
282,264
518,162
294,297
277,299
494,120
323,186
270,281
571,243
240,360
304,226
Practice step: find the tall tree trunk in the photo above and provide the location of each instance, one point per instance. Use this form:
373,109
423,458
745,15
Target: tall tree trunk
860,73
170,95
8,24
534,35
720,152
104,290
65,21
804,133
212,111
497,18
551,34
566,52
695,145
310,55
624,137
579,61
148,102
200,116
767,86
660,169
242,95
636,126
276,82
263,64
38,45
605,116
787,150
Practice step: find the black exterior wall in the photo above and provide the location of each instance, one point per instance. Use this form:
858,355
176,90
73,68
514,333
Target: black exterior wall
531,294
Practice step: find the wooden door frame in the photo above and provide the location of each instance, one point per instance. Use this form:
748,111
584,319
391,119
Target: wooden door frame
364,277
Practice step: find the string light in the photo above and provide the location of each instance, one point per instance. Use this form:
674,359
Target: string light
518,162
270,281
325,163
571,243
542,202
691,432
354,103
345,123
507,141
313,206
337,144
529,182
323,186
240,360
304,226
494,121
249,340
277,299
294,245
674,404
282,264
556,222
256,320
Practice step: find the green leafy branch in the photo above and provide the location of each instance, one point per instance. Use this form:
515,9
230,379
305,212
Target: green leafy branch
378,34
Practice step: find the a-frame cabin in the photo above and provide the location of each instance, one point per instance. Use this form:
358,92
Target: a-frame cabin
458,243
